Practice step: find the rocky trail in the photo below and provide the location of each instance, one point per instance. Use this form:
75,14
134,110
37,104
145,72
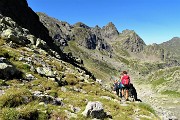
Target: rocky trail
166,107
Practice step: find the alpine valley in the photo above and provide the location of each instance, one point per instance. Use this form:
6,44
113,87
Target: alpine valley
52,70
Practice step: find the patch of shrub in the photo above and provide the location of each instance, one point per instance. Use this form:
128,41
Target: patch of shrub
28,113
61,115
4,53
9,114
15,97
13,82
155,83
147,108
171,93
71,79
3,83
1,41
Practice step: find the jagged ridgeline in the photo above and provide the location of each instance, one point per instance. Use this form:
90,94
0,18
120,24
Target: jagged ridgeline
39,81
105,51
50,69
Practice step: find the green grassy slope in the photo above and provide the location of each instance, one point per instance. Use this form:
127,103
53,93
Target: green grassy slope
18,101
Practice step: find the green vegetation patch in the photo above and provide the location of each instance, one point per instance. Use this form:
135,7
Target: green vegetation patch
15,97
4,53
43,84
9,114
3,83
71,79
171,93
22,66
155,83
1,41
146,107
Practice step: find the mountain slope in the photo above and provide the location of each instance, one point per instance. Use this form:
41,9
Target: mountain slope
36,85
105,52
172,46
108,47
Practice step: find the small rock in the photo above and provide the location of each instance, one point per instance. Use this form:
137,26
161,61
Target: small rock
63,89
106,97
41,103
37,93
75,109
70,115
58,101
30,77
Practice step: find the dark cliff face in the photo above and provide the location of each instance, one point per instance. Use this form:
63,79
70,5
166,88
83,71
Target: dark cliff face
24,16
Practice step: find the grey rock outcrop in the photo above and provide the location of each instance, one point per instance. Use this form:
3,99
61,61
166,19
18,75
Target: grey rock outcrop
25,17
7,71
30,77
47,98
89,37
16,34
109,32
94,110
131,41
85,37
60,31
173,47
45,71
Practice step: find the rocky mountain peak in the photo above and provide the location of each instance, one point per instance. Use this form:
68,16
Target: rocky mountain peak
127,31
131,41
175,38
110,25
173,41
97,27
82,25
109,31
172,46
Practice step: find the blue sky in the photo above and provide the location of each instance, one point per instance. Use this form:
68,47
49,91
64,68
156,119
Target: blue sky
155,21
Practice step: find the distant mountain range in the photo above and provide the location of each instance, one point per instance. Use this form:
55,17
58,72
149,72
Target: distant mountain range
173,46
50,69
107,43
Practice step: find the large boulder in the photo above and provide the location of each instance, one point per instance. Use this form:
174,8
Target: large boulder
45,71
94,110
32,38
7,71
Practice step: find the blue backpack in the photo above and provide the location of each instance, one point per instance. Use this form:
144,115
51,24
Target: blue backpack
121,85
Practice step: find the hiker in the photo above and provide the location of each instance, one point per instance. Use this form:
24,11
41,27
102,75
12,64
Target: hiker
120,89
125,80
116,87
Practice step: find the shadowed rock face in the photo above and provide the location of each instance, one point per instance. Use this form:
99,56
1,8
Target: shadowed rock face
89,37
109,31
172,46
24,16
132,41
